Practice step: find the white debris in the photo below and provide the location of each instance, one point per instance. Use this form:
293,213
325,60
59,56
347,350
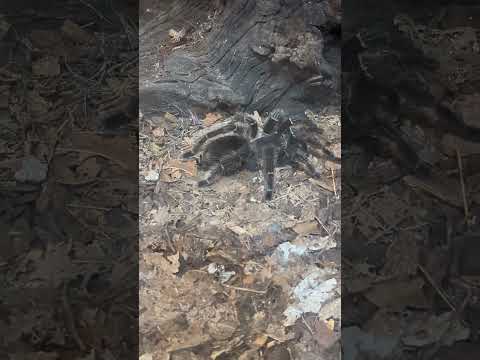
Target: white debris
311,294
152,175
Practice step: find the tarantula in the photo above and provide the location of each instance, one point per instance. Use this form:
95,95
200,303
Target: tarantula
245,141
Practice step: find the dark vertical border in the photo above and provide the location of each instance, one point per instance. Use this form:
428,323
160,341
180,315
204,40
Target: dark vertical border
69,180
410,147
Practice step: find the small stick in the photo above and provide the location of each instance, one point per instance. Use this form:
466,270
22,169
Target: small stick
88,207
333,181
324,227
462,183
262,292
439,291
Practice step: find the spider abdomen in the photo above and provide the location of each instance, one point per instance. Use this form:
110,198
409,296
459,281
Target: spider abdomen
229,152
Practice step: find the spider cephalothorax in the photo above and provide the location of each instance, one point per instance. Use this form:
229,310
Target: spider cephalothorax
245,140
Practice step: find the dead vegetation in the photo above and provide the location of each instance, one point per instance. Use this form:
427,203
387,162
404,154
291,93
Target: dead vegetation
63,261
220,268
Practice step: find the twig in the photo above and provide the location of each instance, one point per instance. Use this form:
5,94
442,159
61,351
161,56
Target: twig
439,291
262,292
307,326
333,181
323,226
92,153
99,14
462,183
79,206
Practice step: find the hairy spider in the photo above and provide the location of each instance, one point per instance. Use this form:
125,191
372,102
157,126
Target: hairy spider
245,141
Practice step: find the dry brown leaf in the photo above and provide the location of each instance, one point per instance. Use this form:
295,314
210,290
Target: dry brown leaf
306,228
88,169
251,354
175,261
211,118
174,170
169,265
402,256
172,119
158,132
146,356
238,230
248,280
397,294
260,340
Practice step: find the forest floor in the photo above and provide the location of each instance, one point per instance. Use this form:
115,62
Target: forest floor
224,274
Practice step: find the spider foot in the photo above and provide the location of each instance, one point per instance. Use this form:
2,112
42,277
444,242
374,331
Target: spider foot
203,183
268,195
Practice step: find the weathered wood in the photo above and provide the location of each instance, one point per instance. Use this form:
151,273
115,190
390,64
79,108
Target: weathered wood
258,55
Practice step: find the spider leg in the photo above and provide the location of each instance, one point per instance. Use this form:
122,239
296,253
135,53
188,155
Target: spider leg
227,164
269,160
315,81
317,148
325,153
204,135
306,166
237,125
210,176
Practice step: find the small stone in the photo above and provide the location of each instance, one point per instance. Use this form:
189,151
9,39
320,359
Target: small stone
152,175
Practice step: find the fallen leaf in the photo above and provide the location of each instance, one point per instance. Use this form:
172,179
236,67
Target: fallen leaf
88,170
444,329
159,261
238,230
397,294
306,228
177,169
211,118
402,256
158,132
330,324
170,118
248,280
260,340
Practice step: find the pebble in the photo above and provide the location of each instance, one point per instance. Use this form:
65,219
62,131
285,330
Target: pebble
152,175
